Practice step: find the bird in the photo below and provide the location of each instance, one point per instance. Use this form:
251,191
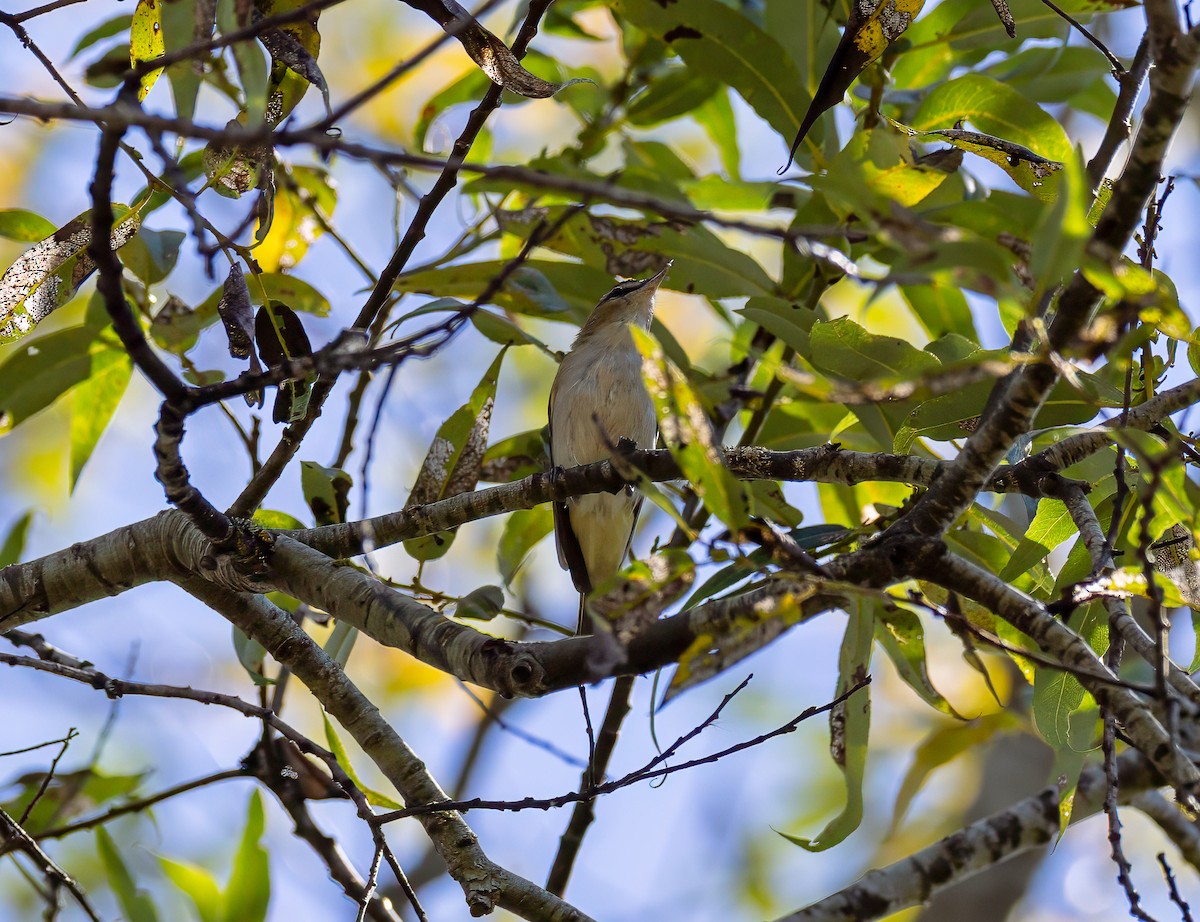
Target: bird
597,399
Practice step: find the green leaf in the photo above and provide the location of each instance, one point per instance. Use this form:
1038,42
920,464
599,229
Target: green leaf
516,457
1063,712
688,434
303,196
715,116
843,348
994,109
295,293
106,29
1056,74
197,884
454,460
41,370
539,288
481,604
253,657
727,577
47,275
523,530
341,642
14,542
1058,243
676,92
248,891
704,264
183,23
25,226
718,42
500,329
902,637
272,518
941,309
146,42
95,399
338,748
1051,526
135,903
790,321
850,725
151,255
327,492
251,61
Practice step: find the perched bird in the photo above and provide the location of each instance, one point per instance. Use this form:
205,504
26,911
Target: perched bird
597,399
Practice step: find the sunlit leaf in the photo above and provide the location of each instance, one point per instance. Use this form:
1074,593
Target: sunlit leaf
45,276
338,748
146,42
25,226
902,637
850,725
688,434
135,903
248,890
996,110
197,884
454,460
95,399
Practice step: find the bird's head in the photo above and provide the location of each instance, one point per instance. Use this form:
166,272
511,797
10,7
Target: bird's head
629,302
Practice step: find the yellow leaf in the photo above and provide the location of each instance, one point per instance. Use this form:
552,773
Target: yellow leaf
146,42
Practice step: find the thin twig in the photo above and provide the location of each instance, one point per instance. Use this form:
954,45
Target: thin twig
647,773
12,835
1118,68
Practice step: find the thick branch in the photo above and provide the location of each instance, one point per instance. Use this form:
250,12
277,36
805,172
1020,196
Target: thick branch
1031,618
1032,823
485,884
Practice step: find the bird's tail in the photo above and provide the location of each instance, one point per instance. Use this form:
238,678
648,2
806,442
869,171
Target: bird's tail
585,624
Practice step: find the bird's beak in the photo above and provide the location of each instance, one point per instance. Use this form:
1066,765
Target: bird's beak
655,280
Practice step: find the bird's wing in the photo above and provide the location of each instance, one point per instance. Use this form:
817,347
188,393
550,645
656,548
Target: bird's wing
570,554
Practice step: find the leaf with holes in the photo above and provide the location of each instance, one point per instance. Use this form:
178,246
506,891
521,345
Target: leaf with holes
454,460
47,275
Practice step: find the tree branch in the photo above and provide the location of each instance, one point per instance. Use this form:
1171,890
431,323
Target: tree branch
1031,823
485,884
1031,618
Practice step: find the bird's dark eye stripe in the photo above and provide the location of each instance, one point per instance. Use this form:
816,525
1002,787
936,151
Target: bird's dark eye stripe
624,288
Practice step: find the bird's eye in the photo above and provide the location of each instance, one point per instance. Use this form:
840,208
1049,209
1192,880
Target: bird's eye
623,289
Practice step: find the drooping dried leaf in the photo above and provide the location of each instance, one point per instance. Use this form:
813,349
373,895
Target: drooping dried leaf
280,336
873,26
235,312
286,49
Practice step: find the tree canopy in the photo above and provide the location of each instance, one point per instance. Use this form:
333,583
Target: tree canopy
284,287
